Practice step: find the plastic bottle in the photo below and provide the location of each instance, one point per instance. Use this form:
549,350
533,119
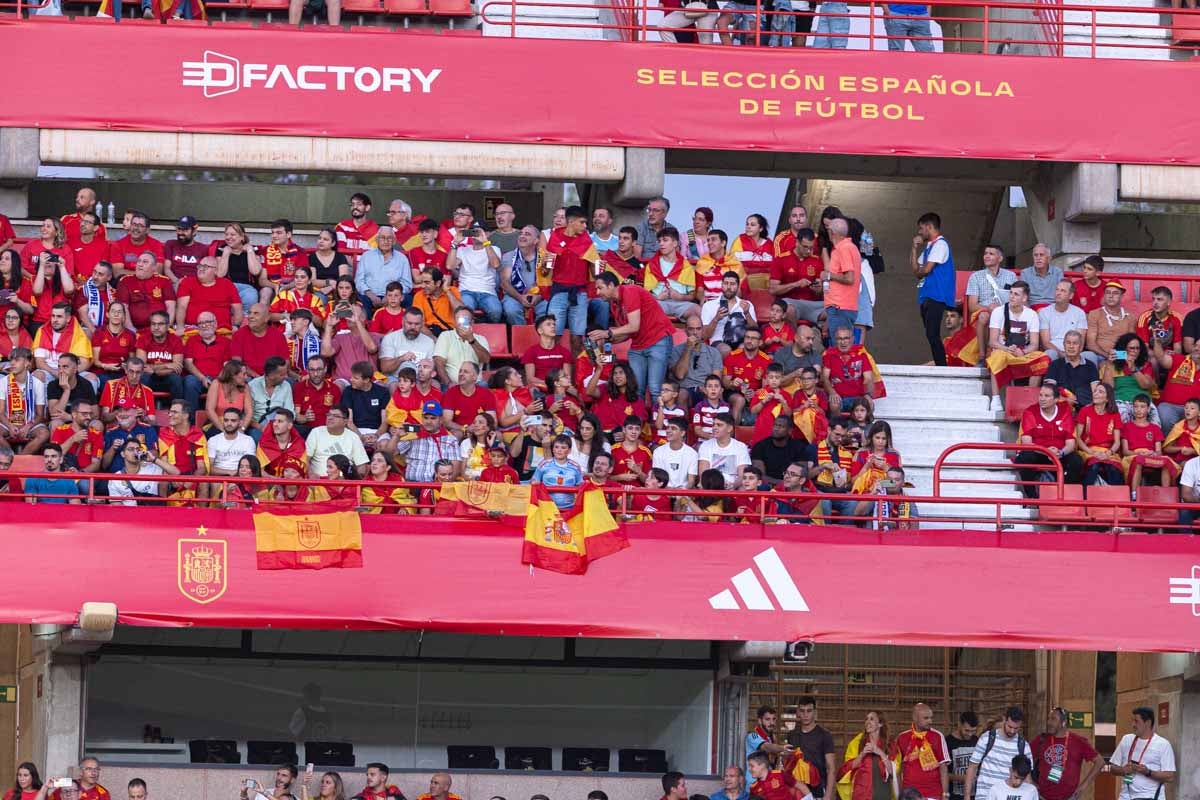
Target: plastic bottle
112,212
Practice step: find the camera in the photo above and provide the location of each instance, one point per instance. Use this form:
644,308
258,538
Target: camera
343,313
411,427
798,652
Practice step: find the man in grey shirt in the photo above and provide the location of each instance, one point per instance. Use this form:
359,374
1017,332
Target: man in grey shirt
648,228
693,361
1041,277
802,353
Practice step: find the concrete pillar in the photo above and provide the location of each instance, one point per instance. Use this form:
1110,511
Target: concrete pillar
645,177
63,713
1067,203
19,162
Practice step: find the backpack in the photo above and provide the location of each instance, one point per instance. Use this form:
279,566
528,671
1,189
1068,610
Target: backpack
992,733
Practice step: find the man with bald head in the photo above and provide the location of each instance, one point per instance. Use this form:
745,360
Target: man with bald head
439,788
924,756
256,341
843,278
85,201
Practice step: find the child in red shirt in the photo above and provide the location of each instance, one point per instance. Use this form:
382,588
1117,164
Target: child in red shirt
499,471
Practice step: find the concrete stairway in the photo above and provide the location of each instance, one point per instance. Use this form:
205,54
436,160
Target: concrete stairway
1135,34
932,408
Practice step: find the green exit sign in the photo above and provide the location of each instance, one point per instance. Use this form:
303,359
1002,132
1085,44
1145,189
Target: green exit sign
1079,719
8,694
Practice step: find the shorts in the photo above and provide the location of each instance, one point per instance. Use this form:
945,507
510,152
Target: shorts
678,308
7,431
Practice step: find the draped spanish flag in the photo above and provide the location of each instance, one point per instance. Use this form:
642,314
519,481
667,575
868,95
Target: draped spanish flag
163,9
508,501
308,537
567,540
802,770
962,346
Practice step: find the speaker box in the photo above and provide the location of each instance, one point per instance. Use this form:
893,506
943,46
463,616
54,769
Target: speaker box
528,758
214,751
260,752
631,760
329,754
471,756
585,759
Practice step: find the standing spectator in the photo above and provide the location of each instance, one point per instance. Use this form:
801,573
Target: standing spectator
238,261
867,764
1159,325
145,291
519,278
639,318
908,22
815,744
923,755
257,340
724,453
269,391
1016,786
733,785
842,277
1049,424
571,258
994,752
833,25
458,346
762,738
603,236
90,247
1066,768
182,254
356,234
162,351
1108,323
647,230
1042,278
380,266
1012,348
331,439
479,272
1089,290
933,264
961,744
698,14
1144,759
796,276
125,252
1057,320
422,452
726,318
85,203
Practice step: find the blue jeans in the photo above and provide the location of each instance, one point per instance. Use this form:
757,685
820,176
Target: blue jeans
744,15
844,508
899,26
839,318
192,389
782,23
837,25
650,366
488,303
560,307
598,313
514,312
248,293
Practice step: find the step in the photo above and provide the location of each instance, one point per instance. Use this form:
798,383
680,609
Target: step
977,511
926,453
926,371
922,480
933,387
971,407
948,432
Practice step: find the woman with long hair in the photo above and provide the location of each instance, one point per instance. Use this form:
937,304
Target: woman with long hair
52,239
868,768
327,264
331,788
1098,438
481,434
871,463
589,440
344,293
14,334
339,468
28,783
622,398
380,494
711,508
112,344
754,248
513,398
229,391
13,281
238,495
301,295
1131,375
237,261
52,283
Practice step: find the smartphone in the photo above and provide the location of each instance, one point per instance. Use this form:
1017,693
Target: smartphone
886,483
1119,355
63,783
411,427
343,313
308,769
5,295
533,420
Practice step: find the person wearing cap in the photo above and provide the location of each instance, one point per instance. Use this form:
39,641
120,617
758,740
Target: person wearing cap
182,255
531,446
1108,323
431,444
334,438
499,470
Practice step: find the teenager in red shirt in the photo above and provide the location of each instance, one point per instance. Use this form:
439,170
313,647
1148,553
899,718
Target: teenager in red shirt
112,344
637,316
163,353
632,460
545,356
745,369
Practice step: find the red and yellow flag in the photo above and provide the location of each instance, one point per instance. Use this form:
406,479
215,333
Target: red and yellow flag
506,501
295,539
567,540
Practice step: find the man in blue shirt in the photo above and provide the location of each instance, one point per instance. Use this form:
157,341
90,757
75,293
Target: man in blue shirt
733,785
933,265
380,266
761,737
905,21
36,488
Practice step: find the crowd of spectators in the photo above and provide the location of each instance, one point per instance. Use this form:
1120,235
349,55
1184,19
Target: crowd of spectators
370,357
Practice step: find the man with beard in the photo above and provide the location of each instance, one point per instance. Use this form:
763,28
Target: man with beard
182,256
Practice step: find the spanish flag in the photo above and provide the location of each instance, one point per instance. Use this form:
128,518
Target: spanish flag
303,537
506,501
566,540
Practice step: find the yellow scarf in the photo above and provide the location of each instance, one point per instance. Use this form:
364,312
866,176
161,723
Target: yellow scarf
16,401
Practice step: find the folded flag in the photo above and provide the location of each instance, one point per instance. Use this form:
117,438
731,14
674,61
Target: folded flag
566,540
507,501
299,539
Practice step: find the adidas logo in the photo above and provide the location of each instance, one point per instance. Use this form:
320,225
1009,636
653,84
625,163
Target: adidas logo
754,597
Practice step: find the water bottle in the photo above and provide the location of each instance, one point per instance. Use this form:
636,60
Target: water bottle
112,211
824,287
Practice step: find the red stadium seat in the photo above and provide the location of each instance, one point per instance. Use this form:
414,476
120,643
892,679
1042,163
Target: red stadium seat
269,5
1158,494
1016,400
523,338
451,8
201,418
405,7
1063,515
678,336
362,6
762,300
1112,494
497,335
960,287
745,434
162,418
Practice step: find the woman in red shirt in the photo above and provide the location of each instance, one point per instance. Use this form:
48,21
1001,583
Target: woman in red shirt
14,286
621,399
52,239
1098,438
513,398
754,248
112,344
28,784
14,335
867,760
52,283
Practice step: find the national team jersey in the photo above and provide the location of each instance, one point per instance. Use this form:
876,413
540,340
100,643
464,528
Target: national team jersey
751,370
622,458
1053,432
1141,437
85,452
317,399
280,264
420,261
703,414
790,268
157,352
355,240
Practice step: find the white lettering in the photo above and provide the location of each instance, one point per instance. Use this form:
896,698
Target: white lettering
367,79
426,79
303,81
220,74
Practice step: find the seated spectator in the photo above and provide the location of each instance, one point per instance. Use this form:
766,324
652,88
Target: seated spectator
390,316
559,471
128,427
62,335
315,395
769,403
425,253
861,420
436,301
848,372
459,346
434,445
1141,446
204,355
1098,438
127,251
162,351
462,402
481,437
774,453
692,361
405,347
796,279
334,438
621,398
723,452
710,508
589,440
671,279
749,507
344,304
711,267
1108,323
327,263
830,472
92,299
203,293
229,390
380,266
112,344
705,411
1059,319
479,272
513,400
1042,278
1089,290
82,441
726,318
368,402
670,405
1072,374
1013,352
602,467
304,344
777,332
1130,372
755,248
871,463
1182,441
268,392
562,401
338,468
891,511
238,261
802,353
546,355
126,488
145,291
744,372
23,406
127,392
1182,384
14,335
68,388
9,486
678,459
1159,325
258,340
50,252
280,442
380,495
532,446
632,460
1189,491
794,510
652,507
521,296
292,489
349,345
1049,424
280,258
300,296
57,491
810,409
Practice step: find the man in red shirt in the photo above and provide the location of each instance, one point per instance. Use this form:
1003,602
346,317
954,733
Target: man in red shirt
124,252
796,277
548,354
204,354
924,756
636,315
1159,325
182,255
846,372
315,395
745,369
462,403
426,253
1089,290
89,245
145,291
1049,424
85,203
632,460
163,353
256,341
281,257
89,786
572,256
356,235
203,292
127,392
1059,757
77,437
377,787
779,784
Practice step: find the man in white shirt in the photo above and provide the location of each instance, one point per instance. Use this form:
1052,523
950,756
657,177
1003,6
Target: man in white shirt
333,438
723,452
1013,346
226,449
478,272
405,347
720,312
1144,759
1056,320
1017,787
679,459
1189,490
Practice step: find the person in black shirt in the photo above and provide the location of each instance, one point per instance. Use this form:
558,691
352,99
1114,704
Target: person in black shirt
1073,372
816,745
961,744
773,454
367,401
75,388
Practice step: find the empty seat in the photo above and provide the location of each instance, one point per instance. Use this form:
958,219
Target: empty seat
528,758
635,760
1063,515
1016,400
471,756
1158,494
585,759
451,8
409,7
362,6
496,334
1108,515
523,338
28,463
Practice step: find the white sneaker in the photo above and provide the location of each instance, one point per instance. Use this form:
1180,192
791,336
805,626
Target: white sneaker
997,404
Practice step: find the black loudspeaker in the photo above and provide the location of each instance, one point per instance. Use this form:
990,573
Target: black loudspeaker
630,760
329,754
214,751
471,756
585,759
258,752
528,758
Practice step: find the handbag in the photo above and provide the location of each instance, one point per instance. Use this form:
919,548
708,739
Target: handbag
876,261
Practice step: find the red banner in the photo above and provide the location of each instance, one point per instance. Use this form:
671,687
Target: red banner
235,80
678,580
